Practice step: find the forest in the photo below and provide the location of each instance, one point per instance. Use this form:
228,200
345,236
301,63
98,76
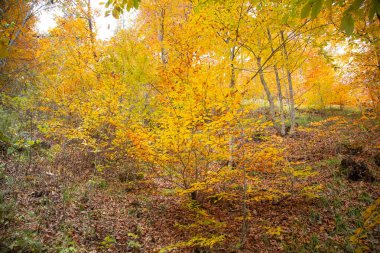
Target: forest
197,126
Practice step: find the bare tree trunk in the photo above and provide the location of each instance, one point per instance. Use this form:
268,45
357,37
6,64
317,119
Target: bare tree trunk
161,36
232,85
281,103
278,82
232,58
18,32
245,224
244,227
283,76
91,28
267,92
377,52
290,83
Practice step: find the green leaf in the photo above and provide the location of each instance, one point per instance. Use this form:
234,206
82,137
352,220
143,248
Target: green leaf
3,52
316,9
329,4
115,13
306,10
119,9
284,19
355,5
136,3
375,8
109,2
11,150
3,48
347,24
341,3
129,5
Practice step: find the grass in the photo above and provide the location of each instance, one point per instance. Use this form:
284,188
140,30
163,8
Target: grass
304,119
366,198
315,217
306,116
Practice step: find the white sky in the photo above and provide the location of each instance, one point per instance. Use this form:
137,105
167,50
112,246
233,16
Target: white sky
105,25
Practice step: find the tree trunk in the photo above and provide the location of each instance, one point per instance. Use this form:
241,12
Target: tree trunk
278,82
290,83
232,85
91,28
281,103
233,78
161,36
267,92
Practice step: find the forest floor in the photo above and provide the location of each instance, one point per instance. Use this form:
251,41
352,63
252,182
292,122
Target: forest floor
77,211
